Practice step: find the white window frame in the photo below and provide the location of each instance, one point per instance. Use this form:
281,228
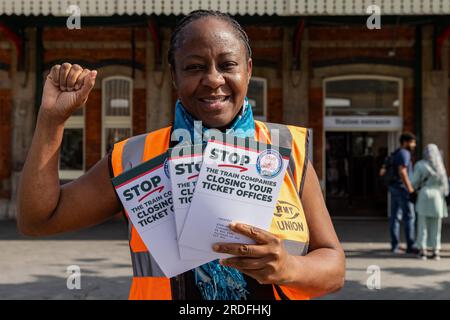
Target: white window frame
264,83
75,122
399,80
392,135
115,122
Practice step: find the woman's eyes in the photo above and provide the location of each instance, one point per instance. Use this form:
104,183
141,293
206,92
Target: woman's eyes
194,67
227,66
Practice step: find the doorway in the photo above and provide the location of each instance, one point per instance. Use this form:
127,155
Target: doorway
352,163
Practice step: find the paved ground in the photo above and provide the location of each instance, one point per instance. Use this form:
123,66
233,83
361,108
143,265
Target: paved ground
37,268
401,276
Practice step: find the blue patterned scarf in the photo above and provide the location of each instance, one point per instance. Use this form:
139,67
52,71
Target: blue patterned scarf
216,282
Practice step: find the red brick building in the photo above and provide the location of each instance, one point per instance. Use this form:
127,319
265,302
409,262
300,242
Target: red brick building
316,64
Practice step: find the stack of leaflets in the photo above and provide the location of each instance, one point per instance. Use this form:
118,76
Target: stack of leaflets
182,202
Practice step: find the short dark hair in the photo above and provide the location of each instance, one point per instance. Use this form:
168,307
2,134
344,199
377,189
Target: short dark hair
407,137
196,15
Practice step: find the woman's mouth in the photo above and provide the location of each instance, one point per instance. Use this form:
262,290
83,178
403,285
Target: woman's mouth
214,102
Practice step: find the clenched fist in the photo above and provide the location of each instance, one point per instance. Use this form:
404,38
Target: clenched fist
66,89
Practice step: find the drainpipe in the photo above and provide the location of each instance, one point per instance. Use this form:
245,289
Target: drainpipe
439,42
297,44
156,37
418,91
16,39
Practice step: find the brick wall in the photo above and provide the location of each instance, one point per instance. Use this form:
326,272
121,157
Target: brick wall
93,128
267,48
5,122
316,123
56,37
5,56
97,33
275,105
139,112
5,141
335,46
267,54
97,54
408,110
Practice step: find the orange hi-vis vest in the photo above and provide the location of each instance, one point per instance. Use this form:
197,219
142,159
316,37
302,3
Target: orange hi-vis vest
288,222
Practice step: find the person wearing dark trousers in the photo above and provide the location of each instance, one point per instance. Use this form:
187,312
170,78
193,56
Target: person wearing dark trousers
400,188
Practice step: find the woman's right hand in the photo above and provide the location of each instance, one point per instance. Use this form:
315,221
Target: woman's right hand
66,89
83,202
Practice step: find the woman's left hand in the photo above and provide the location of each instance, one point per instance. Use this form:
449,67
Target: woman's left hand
267,261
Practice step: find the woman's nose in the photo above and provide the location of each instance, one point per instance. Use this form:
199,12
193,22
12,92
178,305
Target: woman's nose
213,78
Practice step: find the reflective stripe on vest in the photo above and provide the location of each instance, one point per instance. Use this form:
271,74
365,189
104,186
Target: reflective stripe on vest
281,135
133,152
148,281
143,263
296,245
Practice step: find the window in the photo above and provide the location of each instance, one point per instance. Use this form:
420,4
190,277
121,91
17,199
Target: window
117,101
71,157
362,96
257,96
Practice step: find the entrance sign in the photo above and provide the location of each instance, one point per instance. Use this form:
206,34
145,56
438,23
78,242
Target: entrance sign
361,123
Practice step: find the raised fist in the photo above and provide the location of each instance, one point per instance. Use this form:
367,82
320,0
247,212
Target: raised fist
66,89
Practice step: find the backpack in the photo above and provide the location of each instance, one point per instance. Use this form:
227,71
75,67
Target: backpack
390,176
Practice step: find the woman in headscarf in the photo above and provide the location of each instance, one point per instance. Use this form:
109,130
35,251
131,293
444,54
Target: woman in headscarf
210,63
431,182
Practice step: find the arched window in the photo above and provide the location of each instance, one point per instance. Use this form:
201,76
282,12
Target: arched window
71,157
363,96
257,95
117,108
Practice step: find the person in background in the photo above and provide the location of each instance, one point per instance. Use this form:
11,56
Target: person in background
400,188
431,183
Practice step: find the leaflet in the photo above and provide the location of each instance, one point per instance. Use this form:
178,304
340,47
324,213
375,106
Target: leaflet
239,181
146,195
184,164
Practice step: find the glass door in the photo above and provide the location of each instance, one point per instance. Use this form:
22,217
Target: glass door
353,160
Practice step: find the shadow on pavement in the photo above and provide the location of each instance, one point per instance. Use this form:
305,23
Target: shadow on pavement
110,230
375,231
386,254
50,287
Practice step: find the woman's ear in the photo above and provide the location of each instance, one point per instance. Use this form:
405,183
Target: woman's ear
249,69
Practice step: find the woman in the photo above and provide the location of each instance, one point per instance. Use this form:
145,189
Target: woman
211,65
431,181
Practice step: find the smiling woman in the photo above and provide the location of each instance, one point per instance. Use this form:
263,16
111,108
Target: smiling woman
211,80
211,66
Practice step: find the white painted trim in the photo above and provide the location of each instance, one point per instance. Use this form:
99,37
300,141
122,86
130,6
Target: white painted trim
233,7
391,133
394,123
70,174
122,122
